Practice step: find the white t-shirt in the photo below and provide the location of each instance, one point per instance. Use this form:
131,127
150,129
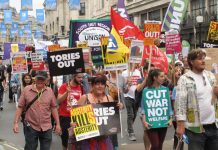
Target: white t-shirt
135,75
204,97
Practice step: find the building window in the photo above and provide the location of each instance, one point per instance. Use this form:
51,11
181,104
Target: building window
82,11
131,18
197,8
213,7
154,15
143,18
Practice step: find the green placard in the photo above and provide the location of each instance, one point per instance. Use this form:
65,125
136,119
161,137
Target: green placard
157,106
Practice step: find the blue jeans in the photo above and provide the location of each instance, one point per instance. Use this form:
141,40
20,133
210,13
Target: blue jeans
32,136
207,140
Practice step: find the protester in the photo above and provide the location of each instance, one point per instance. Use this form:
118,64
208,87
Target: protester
115,78
97,95
138,94
178,72
2,83
10,95
37,122
68,95
52,84
15,85
129,95
113,87
156,136
26,80
185,62
196,101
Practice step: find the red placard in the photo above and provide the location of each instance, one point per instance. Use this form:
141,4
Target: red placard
158,58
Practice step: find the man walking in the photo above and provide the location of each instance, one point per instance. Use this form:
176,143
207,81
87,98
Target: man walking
196,101
37,121
68,95
129,95
2,83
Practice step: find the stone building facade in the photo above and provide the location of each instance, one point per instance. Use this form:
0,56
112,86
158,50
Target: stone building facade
16,18
57,22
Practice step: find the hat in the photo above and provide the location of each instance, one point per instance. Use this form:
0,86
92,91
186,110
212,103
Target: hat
41,74
178,62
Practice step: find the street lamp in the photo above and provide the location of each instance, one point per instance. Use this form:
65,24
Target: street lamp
200,20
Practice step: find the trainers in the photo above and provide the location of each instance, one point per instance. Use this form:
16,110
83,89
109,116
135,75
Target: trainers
132,137
10,101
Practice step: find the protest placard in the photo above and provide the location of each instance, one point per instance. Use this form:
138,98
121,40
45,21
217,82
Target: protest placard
87,58
86,125
112,61
88,30
213,31
52,48
158,58
152,31
157,106
95,120
19,62
209,44
37,61
81,44
173,43
14,48
66,61
96,54
137,48
211,60
107,117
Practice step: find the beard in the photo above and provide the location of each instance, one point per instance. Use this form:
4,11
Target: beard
77,82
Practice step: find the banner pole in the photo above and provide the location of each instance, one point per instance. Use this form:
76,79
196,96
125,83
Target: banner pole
118,91
173,65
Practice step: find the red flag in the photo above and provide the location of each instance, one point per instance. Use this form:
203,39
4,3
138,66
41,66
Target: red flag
125,28
158,59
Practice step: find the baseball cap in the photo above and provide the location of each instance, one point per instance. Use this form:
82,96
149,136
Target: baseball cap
42,75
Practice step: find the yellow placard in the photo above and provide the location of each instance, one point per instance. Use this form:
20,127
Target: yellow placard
86,125
14,48
213,31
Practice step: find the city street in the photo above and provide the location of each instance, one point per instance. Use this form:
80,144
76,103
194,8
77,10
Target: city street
11,141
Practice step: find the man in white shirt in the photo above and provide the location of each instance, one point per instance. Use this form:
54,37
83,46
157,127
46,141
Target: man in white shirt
129,94
196,101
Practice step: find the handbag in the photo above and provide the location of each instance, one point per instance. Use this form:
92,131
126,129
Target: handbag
29,105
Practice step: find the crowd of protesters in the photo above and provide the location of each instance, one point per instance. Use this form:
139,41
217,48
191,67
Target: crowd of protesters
193,111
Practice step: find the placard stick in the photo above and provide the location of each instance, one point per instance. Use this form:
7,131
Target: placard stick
118,91
149,66
173,67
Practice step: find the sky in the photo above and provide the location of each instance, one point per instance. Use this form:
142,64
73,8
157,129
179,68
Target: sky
37,4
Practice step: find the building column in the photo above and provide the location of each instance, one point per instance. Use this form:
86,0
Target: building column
136,19
207,6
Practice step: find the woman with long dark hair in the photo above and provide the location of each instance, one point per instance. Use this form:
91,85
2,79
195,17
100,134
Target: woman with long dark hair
156,136
96,95
26,80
